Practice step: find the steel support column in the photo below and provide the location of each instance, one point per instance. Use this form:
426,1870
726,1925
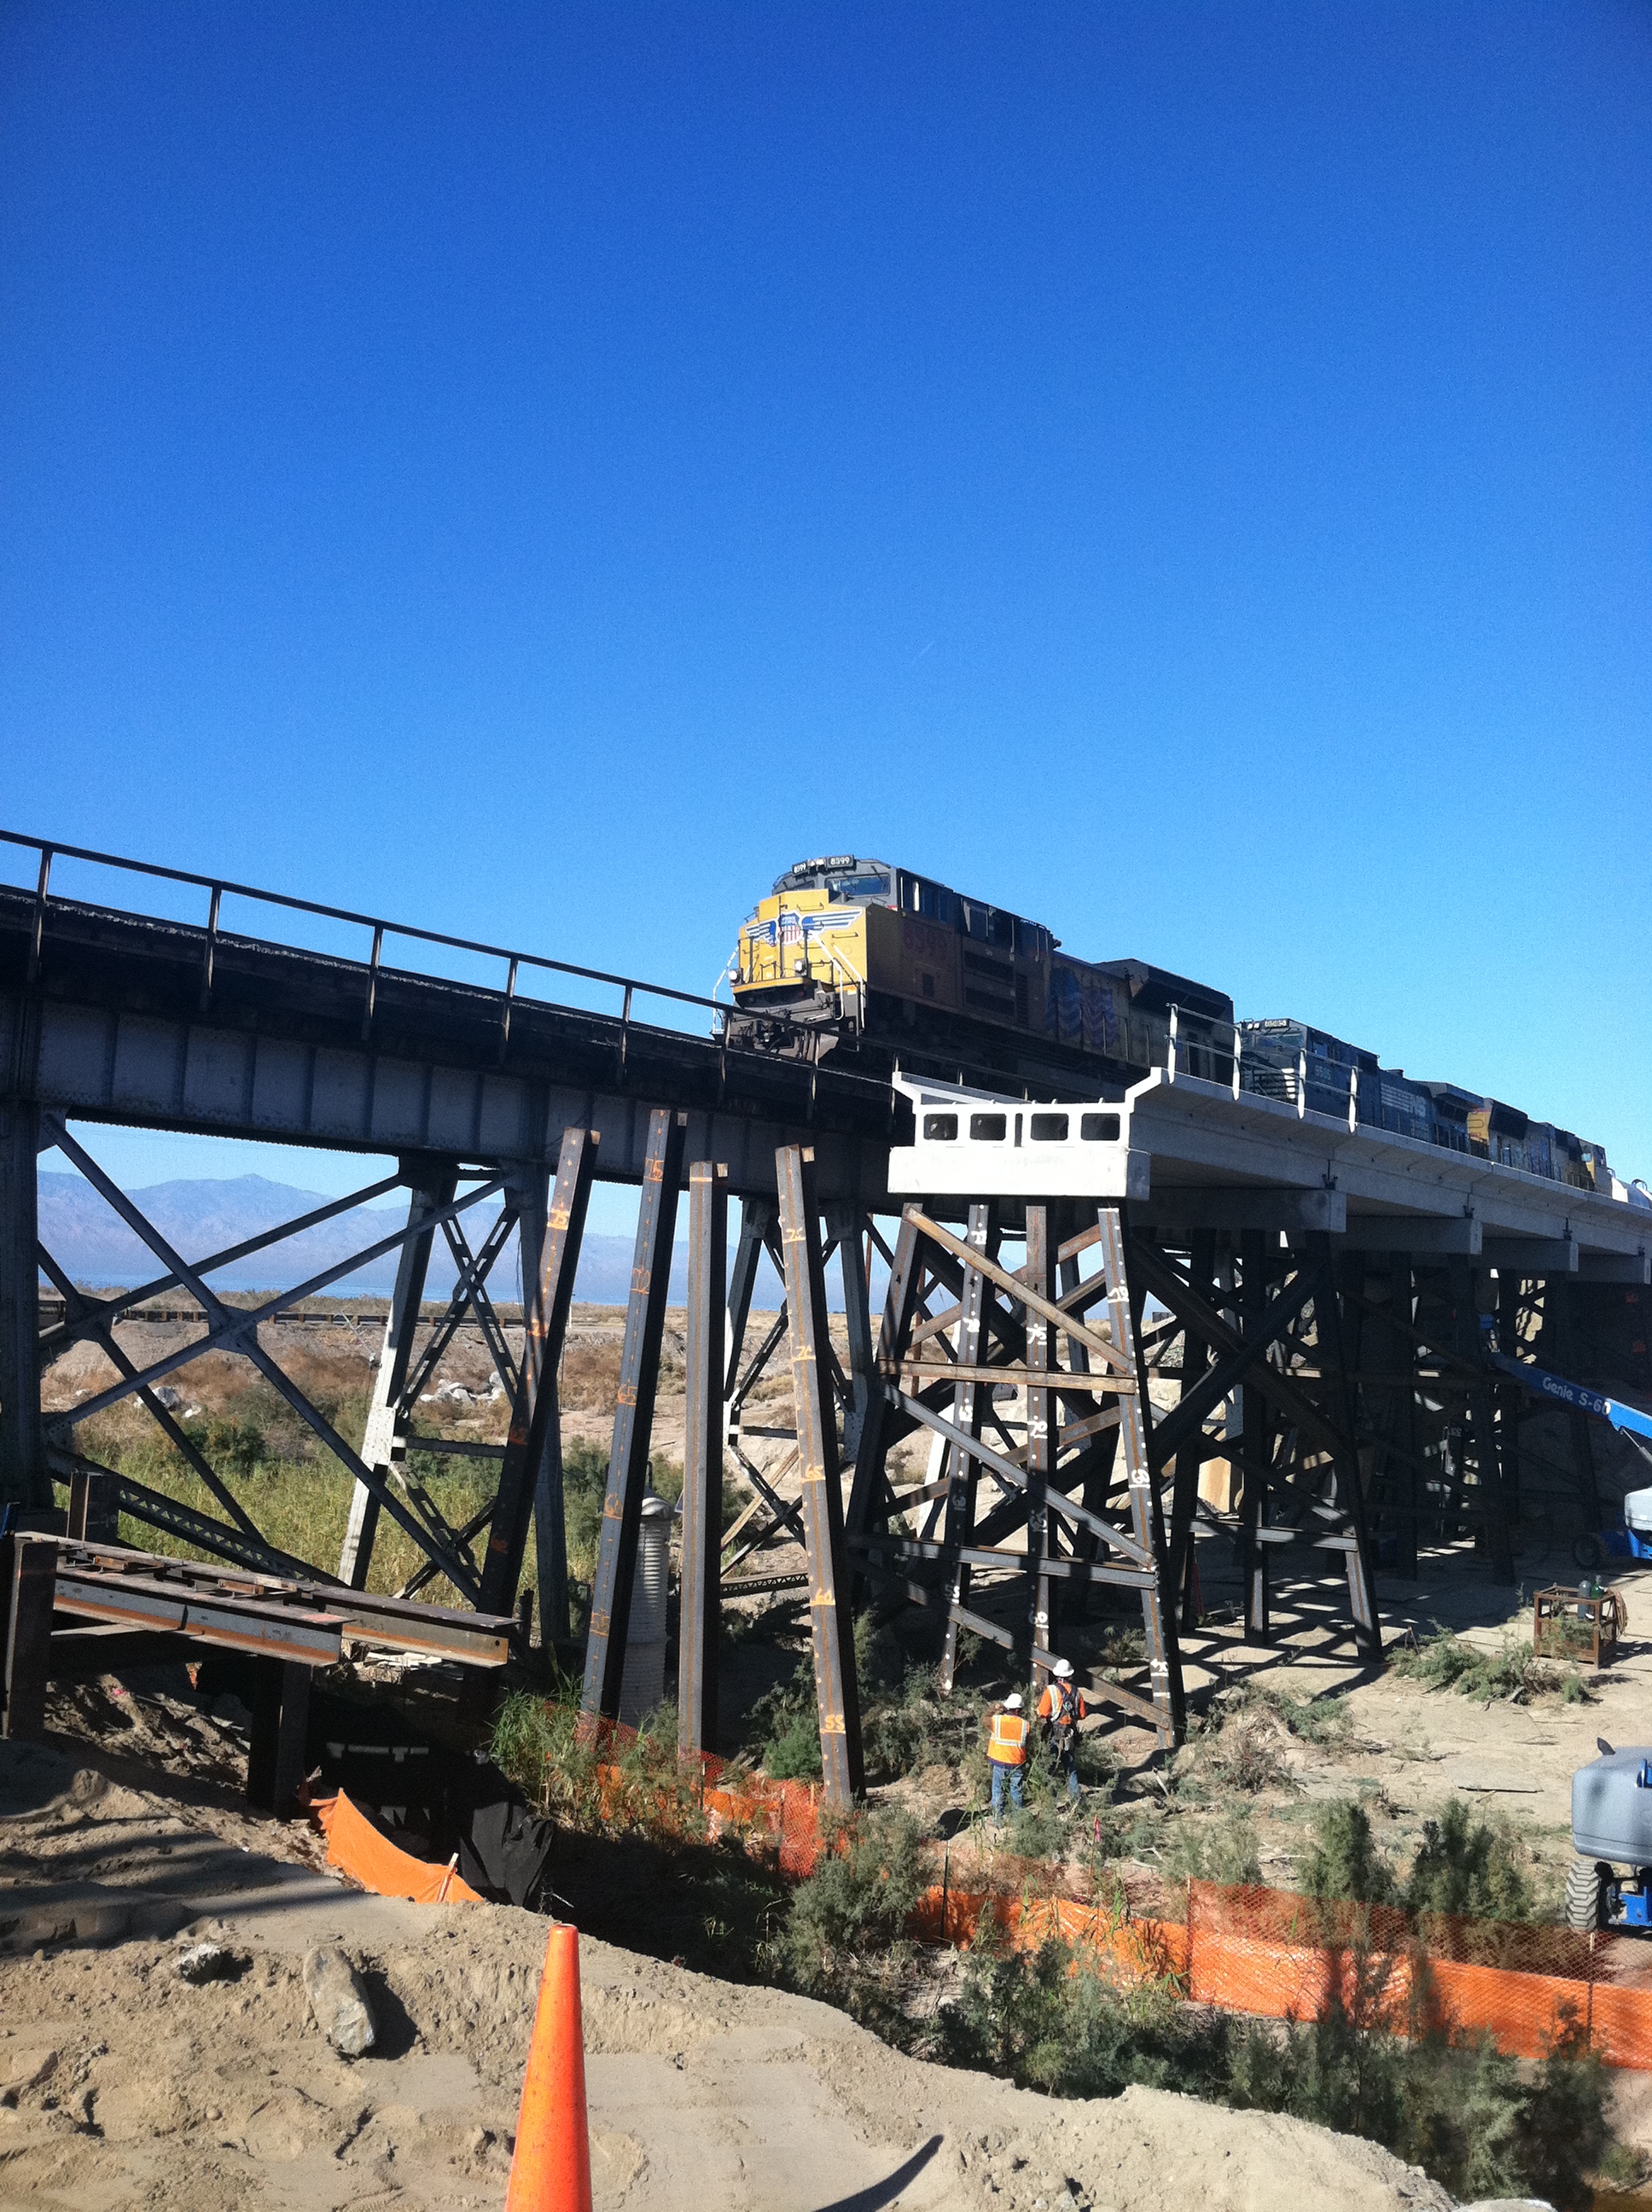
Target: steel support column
383,1440
23,1477
633,1413
700,1605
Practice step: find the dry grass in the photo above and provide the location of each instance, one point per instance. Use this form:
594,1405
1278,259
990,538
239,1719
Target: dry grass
590,1377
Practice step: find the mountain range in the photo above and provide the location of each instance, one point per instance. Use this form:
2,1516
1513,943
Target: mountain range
92,1245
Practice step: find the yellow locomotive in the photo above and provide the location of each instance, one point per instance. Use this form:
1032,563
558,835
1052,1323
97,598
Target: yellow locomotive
879,962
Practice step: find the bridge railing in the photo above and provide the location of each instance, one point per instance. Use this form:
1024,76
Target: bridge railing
44,855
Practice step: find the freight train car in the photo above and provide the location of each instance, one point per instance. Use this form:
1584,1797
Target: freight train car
1292,1061
879,963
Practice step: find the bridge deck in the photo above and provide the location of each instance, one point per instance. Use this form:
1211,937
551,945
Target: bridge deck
112,1016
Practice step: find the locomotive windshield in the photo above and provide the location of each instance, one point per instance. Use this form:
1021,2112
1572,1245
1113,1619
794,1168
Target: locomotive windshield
842,876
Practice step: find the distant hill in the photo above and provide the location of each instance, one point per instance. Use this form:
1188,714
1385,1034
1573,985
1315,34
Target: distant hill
90,1241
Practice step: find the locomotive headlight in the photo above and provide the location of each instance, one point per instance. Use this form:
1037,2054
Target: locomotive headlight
801,967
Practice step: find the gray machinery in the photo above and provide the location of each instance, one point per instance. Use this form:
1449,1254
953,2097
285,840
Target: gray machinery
1609,1883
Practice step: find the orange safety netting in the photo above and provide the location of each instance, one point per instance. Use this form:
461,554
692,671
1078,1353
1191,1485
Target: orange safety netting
356,1846
779,1820
1279,1956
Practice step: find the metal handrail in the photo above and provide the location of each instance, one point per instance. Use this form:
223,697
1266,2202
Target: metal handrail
50,849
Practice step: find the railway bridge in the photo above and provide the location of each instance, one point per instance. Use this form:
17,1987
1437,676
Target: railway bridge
1272,1321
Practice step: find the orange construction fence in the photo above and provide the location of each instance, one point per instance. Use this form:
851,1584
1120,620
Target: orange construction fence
779,1820
356,1847
1279,1956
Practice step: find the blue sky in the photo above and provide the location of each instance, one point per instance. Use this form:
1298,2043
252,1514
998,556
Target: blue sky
1182,471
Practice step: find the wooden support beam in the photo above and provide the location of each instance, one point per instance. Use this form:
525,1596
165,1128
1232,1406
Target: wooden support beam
700,1607
29,1567
531,1472
1348,1495
634,1412
281,1724
1146,1525
831,1620
963,1470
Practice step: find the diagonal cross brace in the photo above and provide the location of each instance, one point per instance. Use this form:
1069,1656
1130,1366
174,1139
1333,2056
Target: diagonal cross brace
230,1326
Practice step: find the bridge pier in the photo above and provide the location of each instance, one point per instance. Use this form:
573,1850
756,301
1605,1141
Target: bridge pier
384,1442
23,1477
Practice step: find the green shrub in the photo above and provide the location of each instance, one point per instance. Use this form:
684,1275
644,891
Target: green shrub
1445,1662
785,1721
1225,1852
1344,1863
1468,1868
1050,2019
844,1938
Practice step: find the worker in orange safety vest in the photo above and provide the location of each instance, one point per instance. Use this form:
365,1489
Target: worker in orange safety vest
1006,1753
1060,1709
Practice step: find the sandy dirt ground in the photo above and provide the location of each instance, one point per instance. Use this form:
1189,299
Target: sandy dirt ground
121,2085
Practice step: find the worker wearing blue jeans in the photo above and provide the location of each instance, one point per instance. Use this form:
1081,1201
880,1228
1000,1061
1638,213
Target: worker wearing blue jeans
1006,1754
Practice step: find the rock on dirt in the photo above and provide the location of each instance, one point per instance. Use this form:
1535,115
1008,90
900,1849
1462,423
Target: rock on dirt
338,2003
124,2086
206,1962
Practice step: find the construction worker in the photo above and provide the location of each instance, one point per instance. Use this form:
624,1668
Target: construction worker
1060,1709
1006,1753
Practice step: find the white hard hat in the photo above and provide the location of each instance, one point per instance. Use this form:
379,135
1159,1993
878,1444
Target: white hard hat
1063,1669
1012,1703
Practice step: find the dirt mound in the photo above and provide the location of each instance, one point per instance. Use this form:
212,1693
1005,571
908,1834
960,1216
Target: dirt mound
122,2084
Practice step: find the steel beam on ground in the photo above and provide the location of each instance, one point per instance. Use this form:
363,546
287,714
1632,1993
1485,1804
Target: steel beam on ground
633,1411
831,1620
700,1605
383,1440
531,1472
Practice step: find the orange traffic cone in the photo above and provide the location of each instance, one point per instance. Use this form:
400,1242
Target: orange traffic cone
551,2168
